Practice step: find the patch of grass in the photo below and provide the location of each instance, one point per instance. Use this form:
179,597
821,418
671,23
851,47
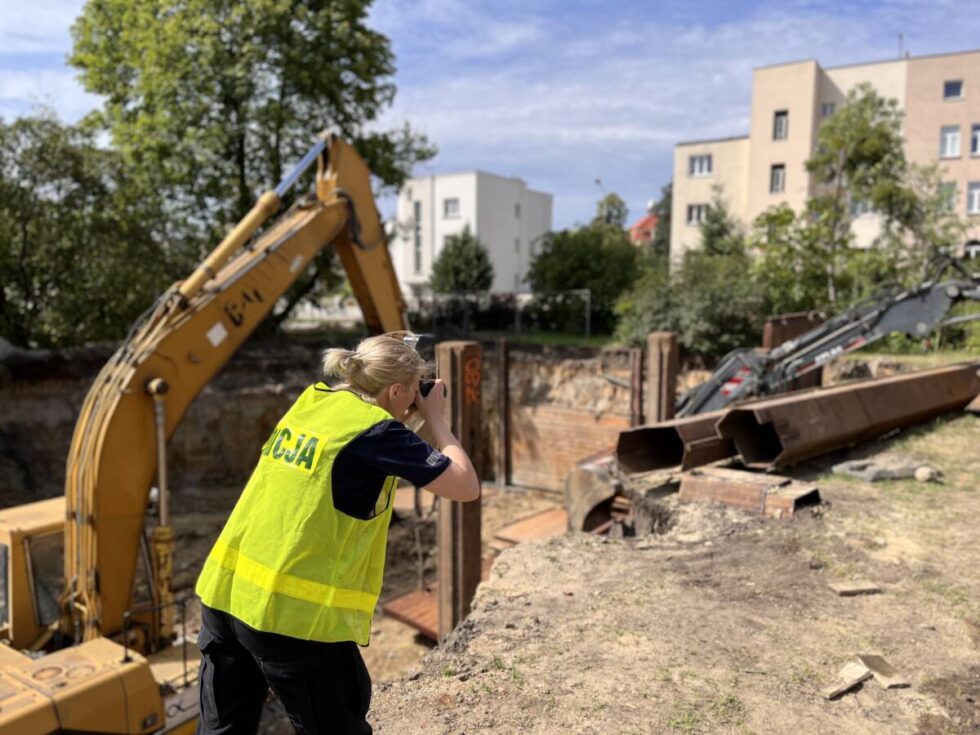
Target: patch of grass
516,676
685,719
803,675
729,709
953,594
497,664
448,670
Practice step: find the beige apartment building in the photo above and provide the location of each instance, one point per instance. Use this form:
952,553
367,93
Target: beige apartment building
938,95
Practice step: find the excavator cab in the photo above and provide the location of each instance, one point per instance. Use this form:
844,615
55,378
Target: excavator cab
31,571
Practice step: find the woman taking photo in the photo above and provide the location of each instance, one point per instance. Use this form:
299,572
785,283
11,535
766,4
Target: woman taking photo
290,586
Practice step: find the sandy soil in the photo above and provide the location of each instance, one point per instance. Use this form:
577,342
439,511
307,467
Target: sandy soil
725,624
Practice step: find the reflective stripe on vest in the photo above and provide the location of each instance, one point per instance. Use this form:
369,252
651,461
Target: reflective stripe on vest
287,561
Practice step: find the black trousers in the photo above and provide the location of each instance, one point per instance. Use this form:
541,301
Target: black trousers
324,687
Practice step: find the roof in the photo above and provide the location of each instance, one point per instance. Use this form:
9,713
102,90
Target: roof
713,140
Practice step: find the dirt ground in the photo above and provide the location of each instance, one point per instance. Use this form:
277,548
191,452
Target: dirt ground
726,623
396,649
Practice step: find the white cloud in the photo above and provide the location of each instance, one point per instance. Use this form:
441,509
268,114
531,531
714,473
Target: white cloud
612,99
37,27
23,90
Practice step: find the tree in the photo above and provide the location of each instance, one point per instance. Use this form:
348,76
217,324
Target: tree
80,257
661,210
710,300
612,211
463,265
214,100
720,233
599,258
808,260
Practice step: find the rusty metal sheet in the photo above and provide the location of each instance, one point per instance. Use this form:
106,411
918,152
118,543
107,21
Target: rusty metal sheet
588,487
771,495
788,429
686,442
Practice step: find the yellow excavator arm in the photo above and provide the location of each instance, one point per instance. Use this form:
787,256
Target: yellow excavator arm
142,393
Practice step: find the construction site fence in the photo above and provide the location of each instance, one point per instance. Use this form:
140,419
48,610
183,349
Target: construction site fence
464,313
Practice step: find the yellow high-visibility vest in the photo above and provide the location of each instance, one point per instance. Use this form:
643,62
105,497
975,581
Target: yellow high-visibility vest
287,561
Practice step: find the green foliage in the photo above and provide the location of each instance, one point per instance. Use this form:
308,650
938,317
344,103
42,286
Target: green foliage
599,258
79,237
720,233
611,210
661,210
211,103
214,100
463,265
711,301
808,261
648,305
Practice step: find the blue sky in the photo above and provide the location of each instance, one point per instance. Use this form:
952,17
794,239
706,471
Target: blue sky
560,93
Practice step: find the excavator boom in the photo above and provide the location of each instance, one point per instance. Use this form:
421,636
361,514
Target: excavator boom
142,394
746,373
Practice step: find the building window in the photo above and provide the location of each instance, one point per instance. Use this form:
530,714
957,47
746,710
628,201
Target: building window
777,178
696,213
953,89
699,165
517,211
450,208
517,244
972,249
417,235
780,125
975,140
947,190
949,141
827,109
859,207
973,198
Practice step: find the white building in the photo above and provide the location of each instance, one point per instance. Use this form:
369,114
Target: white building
506,216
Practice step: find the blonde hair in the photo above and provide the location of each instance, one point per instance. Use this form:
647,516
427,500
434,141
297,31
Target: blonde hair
376,363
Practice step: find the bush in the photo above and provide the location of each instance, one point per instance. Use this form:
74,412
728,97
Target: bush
600,258
711,301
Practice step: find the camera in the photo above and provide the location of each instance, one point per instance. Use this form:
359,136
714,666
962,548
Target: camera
426,385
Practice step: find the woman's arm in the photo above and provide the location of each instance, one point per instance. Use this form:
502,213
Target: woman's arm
459,480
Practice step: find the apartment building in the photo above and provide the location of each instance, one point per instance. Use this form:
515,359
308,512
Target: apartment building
507,217
939,97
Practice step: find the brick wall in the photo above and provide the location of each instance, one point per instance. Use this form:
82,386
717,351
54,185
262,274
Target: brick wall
547,441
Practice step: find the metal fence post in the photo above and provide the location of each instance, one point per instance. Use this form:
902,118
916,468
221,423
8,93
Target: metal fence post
503,409
458,524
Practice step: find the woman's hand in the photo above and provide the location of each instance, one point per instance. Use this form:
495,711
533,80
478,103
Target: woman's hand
433,406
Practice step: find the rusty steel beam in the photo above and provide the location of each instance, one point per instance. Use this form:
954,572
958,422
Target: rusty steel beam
788,429
688,442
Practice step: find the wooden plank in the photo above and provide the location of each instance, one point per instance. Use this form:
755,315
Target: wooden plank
662,367
541,525
418,609
636,387
850,589
458,524
849,677
885,674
